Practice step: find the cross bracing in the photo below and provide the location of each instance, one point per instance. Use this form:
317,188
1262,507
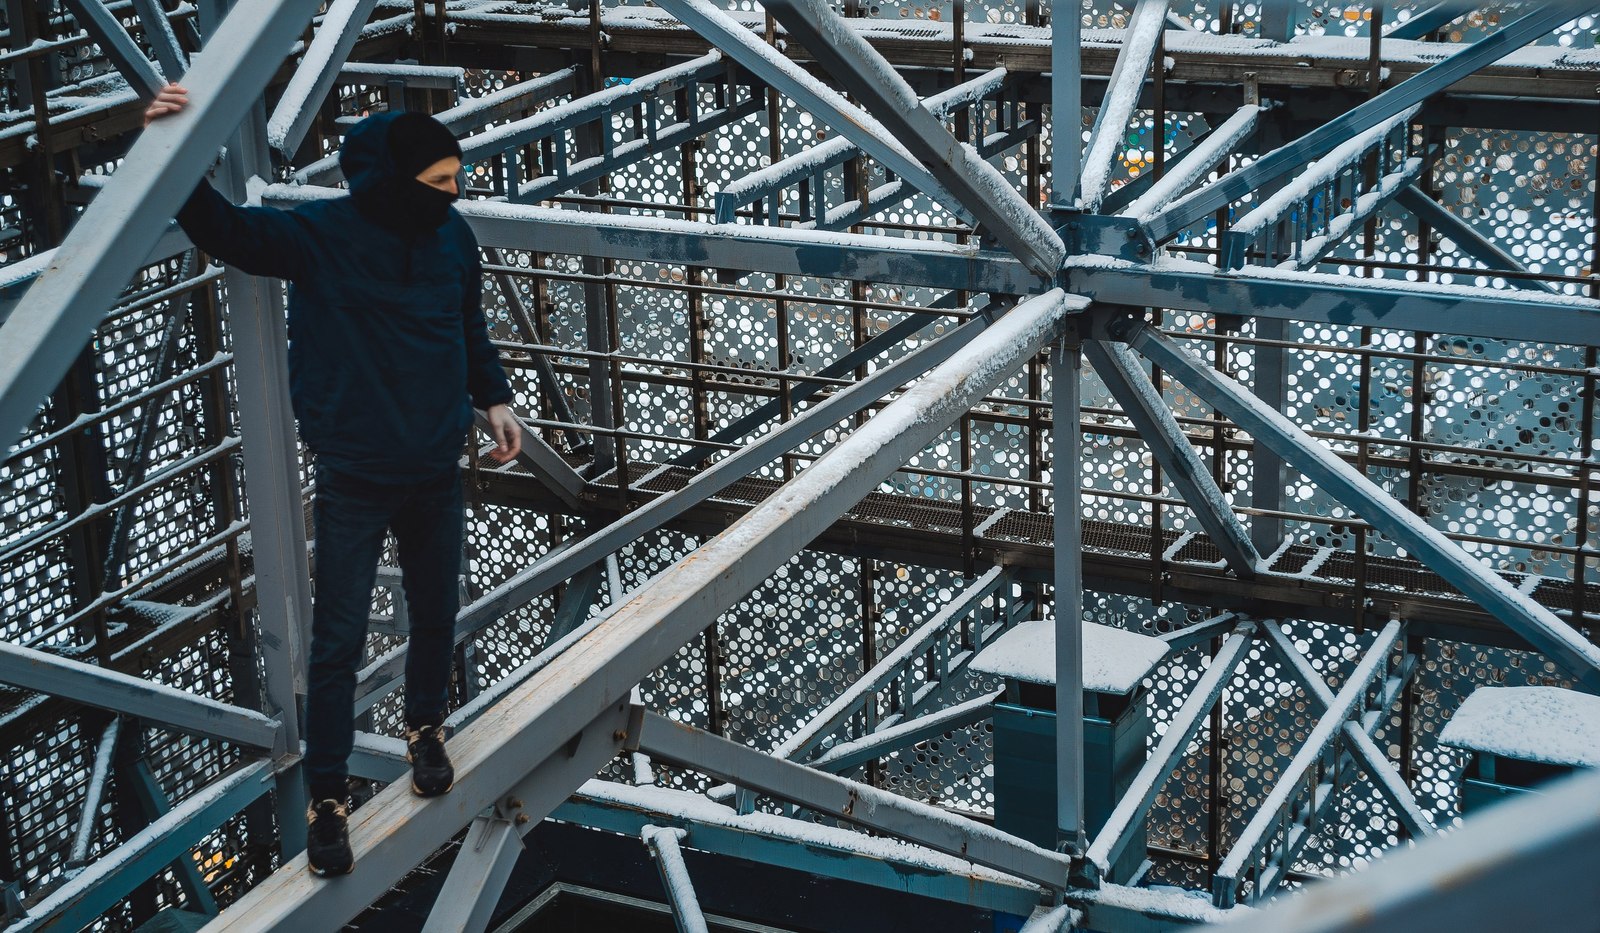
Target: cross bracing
794,461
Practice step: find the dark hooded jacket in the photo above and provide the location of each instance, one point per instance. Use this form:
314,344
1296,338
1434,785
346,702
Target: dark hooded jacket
388,348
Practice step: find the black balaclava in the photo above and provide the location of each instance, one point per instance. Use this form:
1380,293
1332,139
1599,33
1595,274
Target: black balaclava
381,157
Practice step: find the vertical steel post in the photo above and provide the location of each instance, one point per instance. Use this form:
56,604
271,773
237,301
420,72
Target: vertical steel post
272,472
1066,101
1066,371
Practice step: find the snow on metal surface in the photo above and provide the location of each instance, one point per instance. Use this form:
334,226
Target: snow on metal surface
1114,660
1543,724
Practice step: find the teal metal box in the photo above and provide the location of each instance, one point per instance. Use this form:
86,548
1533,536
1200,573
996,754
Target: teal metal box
1116,730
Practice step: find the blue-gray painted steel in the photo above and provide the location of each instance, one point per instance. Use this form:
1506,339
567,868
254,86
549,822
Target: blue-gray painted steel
1127,821
1545,846
1141,401
1066,490
1385,777
1066,97
542,460
663,845
1538,625
1259,174
1341,300
532,725
135,696
833,858
838,798
477,877
1282,824
158,33
308,87
113,236
1108,137
114,41
987,197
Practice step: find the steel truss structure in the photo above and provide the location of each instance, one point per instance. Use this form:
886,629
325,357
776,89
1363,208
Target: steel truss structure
795,302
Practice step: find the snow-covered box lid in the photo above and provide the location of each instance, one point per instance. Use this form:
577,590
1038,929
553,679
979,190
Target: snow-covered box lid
1114,660
1543,724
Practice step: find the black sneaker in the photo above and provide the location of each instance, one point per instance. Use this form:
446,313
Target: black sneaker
431,772
328,838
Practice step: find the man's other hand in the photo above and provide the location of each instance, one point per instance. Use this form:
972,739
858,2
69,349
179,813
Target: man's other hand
170,99
506,431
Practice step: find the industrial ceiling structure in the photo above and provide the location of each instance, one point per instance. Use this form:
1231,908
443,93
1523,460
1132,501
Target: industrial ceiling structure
796,573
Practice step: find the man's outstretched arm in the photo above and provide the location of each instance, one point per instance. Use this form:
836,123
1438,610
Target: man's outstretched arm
259,240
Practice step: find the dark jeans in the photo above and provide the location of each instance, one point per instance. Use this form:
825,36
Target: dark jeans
352,515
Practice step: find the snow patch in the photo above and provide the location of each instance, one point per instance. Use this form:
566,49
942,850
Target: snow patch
1114,660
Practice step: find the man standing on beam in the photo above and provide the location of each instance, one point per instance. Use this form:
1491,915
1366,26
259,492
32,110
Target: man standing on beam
388,355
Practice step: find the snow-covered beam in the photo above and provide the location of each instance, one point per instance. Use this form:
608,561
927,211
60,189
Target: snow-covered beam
114,41
1192,165
1141,401
1379,768
1145,27
318,70
1287,818
850,121
663,844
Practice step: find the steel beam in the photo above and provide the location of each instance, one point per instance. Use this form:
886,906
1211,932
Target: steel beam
1465,236
799,844
1341,300
1066,492
1545,845
1193,164
107,32
314,77
742,247
113,236
135,696
982,192
1066,107
1127,820
902,735
1540,21
880,810
663,845
817,98
1141,401
769,181
1538,625
1145,26
1389,782
477,877
158,33
527,726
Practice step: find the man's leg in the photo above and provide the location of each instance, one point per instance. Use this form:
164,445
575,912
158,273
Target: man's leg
428,528
351,516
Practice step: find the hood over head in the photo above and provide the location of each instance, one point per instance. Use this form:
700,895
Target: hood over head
381,158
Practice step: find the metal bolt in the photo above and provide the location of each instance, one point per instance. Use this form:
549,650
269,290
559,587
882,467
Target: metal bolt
620,734
514,803
522,819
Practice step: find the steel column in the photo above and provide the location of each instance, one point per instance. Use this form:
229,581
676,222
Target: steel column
477,877
1066,478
